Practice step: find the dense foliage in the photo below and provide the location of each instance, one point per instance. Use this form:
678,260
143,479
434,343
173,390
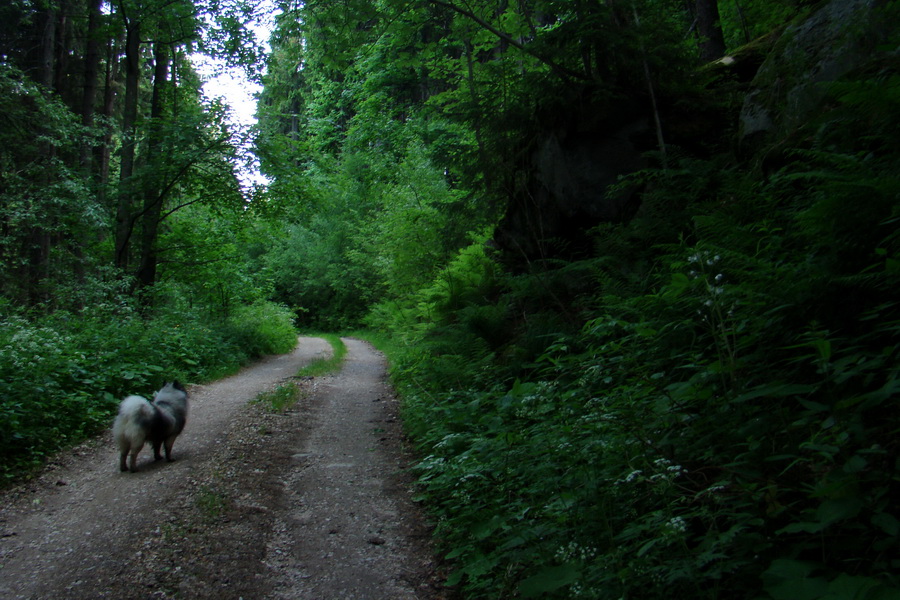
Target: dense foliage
703,405
724,427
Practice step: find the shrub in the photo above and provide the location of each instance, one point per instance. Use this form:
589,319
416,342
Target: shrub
262,328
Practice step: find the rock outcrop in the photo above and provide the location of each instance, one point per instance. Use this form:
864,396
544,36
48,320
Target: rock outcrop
791,85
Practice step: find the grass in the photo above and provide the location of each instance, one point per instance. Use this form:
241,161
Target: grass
287,394
326,366
212,504
279,399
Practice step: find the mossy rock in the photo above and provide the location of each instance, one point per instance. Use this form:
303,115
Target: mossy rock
791,85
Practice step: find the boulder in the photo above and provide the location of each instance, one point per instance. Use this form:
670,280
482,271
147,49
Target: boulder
566,192
791,84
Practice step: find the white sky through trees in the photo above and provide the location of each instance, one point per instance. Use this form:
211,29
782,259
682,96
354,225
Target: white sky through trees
238,92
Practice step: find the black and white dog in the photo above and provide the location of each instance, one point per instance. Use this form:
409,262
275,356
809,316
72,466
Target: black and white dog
158,422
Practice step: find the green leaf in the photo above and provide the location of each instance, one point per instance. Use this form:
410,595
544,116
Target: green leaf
887,523
549,579
855,464
849,587
457,552
678,284
646,547
892,266
776,390
839,509
788,579
487,528
798,589
786,568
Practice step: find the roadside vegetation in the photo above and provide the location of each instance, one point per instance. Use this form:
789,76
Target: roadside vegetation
281,398
707,409
720,423
288,394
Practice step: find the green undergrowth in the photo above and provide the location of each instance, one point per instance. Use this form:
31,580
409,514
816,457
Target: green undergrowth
705,409
63,374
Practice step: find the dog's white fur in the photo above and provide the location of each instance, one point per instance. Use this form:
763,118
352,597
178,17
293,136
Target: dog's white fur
158,422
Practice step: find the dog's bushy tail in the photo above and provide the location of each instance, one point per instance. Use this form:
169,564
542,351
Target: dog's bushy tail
129,428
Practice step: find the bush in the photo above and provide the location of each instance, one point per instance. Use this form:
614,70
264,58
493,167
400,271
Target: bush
262,328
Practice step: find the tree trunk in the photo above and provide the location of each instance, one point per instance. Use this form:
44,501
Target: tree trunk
91,74
124,214
102,151
153,196
48,48
476,123
37,243
660,139
63,40
712,40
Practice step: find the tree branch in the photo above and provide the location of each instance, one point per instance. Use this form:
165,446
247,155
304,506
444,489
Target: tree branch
561,70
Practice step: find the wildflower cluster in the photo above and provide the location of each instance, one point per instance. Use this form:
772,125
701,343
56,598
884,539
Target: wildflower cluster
630,477
674,527
717,311
29,348
701,263
574,551
537,398
665,471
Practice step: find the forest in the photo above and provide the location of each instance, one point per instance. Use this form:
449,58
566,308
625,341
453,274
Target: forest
634,263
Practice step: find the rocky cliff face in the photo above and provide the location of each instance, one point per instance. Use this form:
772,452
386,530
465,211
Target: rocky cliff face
566,191
565,188
791,85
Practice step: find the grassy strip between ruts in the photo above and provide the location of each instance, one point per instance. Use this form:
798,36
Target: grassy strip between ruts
326,366
287,394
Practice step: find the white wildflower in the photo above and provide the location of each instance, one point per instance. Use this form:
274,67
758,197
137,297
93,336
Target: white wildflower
630,477
677,525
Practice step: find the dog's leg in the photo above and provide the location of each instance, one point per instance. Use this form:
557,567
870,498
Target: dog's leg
156,452
170,441
134,454
123,460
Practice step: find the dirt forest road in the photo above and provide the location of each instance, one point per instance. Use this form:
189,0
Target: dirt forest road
309,504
